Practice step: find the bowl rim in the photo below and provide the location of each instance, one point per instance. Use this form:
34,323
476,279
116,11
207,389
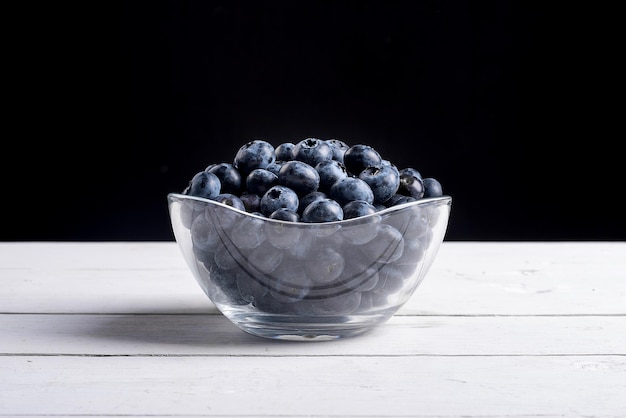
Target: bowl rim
439,200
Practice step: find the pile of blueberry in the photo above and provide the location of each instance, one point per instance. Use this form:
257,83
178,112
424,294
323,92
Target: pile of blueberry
321,268
313,180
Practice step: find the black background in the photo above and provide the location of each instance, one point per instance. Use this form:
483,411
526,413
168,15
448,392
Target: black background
513,106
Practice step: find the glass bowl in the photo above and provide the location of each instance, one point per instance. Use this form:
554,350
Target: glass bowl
308,281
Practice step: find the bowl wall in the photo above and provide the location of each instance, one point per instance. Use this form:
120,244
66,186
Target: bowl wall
308,281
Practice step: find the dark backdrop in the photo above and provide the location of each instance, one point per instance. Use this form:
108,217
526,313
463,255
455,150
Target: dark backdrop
115,104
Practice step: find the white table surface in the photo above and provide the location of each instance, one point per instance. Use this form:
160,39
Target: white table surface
495,330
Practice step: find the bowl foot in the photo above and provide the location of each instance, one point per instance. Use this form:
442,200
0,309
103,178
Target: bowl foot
300,329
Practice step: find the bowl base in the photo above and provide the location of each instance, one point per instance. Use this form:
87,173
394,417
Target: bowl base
303,329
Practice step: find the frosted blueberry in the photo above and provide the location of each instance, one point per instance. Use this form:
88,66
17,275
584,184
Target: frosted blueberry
223,217
255,154
351,188
284,214
204,184
283,235
310,198
330,171
432,187
251,201
358,157
338,147
322,210
299,176
357,208
383,181
229,177
260,180
279,197
312,151
284,151
411,184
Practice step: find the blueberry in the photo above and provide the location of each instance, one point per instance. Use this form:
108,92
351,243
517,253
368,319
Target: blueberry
411,184
387,247
399,199
412,254
284,214
264,259
224,287
189,211
362,231
432,187
310,198
343,304
411,172
351,188
275,166
299,176
380,206
229,176
413,227
204,184
284,151
312,151
390,280
230,199
226,258
324,265
303,246
280,234
248,287
251,201
260,181
330,171
338,147
322,210
287,292
270,304
291,283
279,197
426,239
383,181
203,234
291,273
359,275
255,154
358,157
249,233
226,218
371,300
357,208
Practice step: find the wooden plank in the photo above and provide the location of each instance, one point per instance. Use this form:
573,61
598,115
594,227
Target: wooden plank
98,278
45,256
403,335
337,386
497,329
487,278
520,278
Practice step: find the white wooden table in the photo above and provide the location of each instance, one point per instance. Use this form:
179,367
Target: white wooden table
495,330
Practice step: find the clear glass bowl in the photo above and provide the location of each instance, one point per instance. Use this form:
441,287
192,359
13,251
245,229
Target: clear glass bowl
308,281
